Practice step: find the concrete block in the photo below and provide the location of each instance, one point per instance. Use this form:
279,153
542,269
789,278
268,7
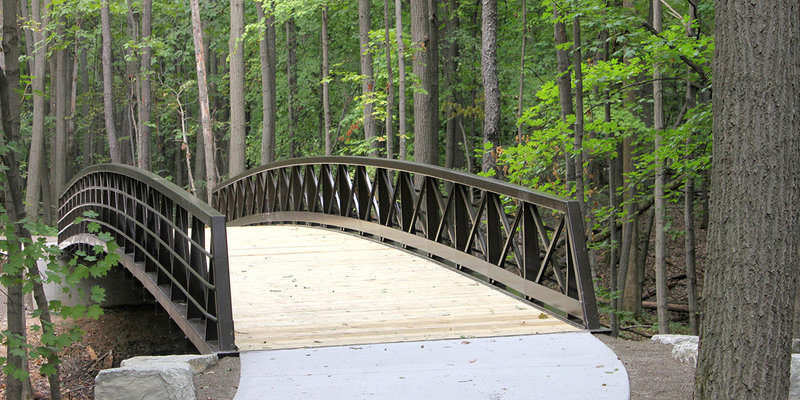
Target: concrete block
156,381
794,381
198,362
675,339
685,352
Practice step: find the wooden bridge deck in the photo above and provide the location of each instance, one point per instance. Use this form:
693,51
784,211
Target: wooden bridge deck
296,287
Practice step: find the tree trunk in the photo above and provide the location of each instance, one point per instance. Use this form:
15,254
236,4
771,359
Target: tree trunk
267,137
658,197
425,66
689,214
37,155
521,96
291,74
143,137
202,88
389,83
578,150
130,127
491,85
401,81
87,147
451,65
108,93
368,80
60,149
238,136
751,277
564,85
326,98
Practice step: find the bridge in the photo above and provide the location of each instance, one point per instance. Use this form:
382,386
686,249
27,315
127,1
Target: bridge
347,251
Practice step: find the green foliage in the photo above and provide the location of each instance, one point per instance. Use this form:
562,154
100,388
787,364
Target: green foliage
21,254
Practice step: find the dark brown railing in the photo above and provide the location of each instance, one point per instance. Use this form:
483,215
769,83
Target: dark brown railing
162,233
529,243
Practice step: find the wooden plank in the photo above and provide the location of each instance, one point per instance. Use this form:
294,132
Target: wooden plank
297,287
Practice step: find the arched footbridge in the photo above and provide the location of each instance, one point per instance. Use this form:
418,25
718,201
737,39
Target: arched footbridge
350,251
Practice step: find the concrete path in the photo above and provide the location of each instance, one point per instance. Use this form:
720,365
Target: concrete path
547,366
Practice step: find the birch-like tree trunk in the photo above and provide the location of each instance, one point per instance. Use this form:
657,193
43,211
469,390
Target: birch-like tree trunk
37,154
202,88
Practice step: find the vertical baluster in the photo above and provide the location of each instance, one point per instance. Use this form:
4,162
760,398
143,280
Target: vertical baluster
530,242
494,241
181,247
197,261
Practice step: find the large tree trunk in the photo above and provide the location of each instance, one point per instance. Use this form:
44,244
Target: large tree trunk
238,141
491,85
108,93
389,83
401,81
564,84
59,80
202,88
425,66
37,154
658,197
326,97
751,277
143,137
291,74
689,214
368,80
87,149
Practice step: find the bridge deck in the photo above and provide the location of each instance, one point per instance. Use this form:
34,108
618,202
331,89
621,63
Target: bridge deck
303,287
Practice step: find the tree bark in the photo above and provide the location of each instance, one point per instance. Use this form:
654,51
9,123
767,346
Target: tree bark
145,105
238,136
202,88
689,214
425,66
491,85
108,94
367,80
521,95
37,154
326,97
88,142
658,196
578,150
267,87
291,74
389,83
564,85
451,65
401,81
751,277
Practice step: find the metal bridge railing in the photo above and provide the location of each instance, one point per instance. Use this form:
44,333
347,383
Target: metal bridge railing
173,243
527,242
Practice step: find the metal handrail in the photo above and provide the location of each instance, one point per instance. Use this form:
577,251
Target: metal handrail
161,232
526,242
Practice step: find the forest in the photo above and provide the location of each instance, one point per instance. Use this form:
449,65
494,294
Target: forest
605,101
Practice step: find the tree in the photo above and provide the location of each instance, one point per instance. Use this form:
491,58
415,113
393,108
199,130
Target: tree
751,279
491,85
326,101
401,81
37,156
202,88
425,65
564,81
145,106
108,91
658,196
238,129
267,53
367,78
389,83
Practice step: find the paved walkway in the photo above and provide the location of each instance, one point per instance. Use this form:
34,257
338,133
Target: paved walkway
548,366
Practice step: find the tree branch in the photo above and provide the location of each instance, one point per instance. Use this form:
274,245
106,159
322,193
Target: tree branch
696,68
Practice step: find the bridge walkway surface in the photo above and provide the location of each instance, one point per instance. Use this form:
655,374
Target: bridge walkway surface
320,314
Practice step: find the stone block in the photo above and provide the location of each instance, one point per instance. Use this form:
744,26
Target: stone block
675,339
198,362
152,381
685,352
